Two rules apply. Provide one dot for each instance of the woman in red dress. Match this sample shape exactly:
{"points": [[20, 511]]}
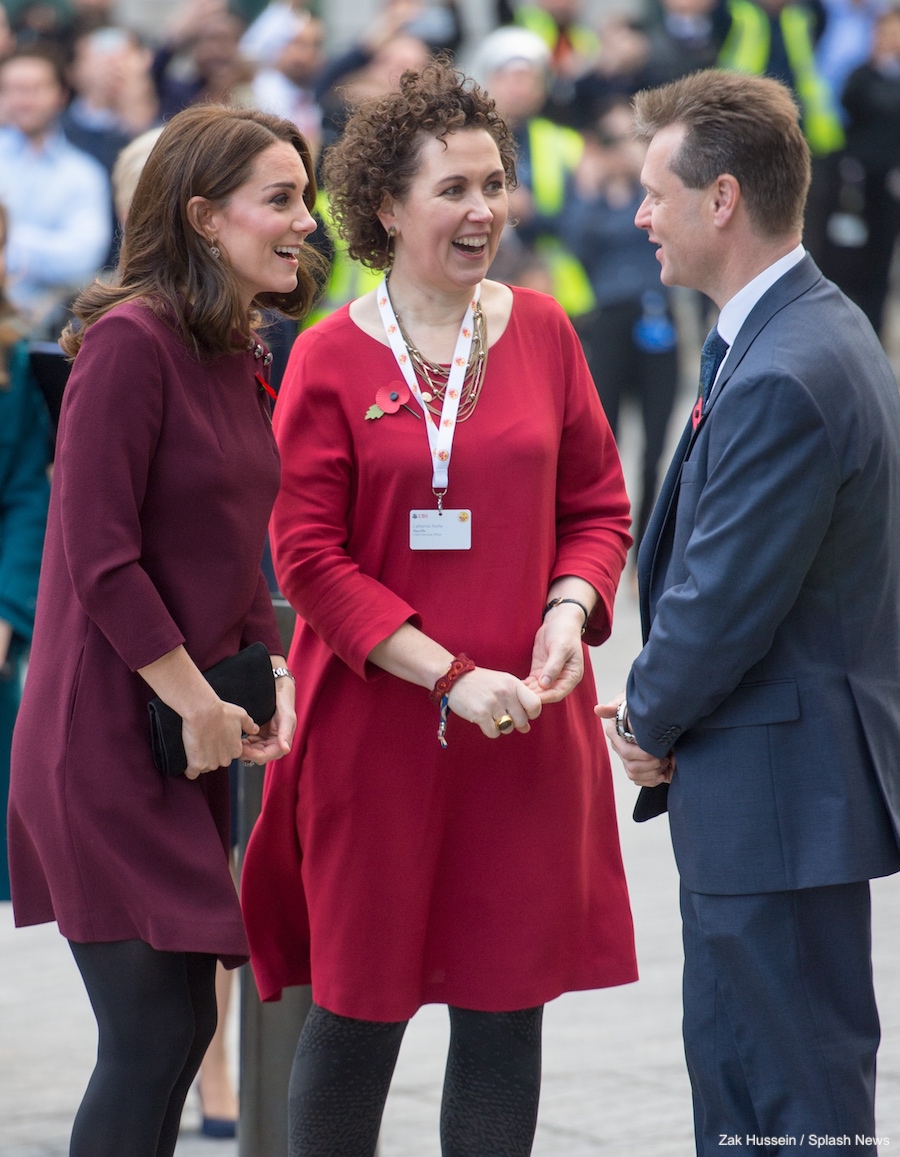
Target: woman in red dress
{"points": [[166, 470], [452, 520]]}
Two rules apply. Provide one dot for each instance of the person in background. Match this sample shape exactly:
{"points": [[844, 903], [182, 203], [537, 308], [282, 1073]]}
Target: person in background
{"points": [[24, 494], [114, 100], [58, 197], [778, 39], [459, 847], [128, 168], [629, 338], [846, 41], [864, 227], [205, 36], [513, 66], [616, 70], [571, 43], [151, 575], [285, 82], [373, 65], [683, 36], [113, 95]]}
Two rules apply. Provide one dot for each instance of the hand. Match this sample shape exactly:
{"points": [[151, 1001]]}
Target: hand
{"points": [[557, 660], [212, 737], [190, 19], [641, 767], [274, 739], [483, 695]]}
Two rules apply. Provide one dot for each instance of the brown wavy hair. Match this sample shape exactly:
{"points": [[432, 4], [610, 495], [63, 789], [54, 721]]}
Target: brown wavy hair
{"points": [[380, 150], [207, 150]]}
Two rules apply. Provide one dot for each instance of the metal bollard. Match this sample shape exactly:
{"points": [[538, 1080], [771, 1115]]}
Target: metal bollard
{"points": [[268, 1032]]}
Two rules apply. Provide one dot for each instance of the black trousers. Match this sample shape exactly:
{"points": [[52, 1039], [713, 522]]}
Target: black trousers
{"points": [[620, 368]]}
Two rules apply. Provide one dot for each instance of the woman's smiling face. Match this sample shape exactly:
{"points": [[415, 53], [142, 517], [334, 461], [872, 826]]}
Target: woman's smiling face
{"points": [[449, 223], [264, 222]]}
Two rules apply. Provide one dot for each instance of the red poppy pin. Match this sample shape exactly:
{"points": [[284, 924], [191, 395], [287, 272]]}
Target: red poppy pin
{"points": [[389, 399]]}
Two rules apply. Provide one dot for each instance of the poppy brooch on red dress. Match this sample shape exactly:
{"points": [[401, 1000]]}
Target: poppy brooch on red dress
{"points": [[389, 399]]}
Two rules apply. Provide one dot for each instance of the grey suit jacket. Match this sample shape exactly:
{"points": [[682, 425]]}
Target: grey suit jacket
{"points": [[770, 599]]}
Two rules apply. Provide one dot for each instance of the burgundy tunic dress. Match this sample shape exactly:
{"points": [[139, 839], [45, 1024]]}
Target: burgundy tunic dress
{"points": [[165, 474], [391, 872]]}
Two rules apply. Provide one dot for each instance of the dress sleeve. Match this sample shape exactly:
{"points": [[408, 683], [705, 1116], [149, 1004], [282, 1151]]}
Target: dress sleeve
{"points": [[110, 426], [592, 507], [350, 611]]}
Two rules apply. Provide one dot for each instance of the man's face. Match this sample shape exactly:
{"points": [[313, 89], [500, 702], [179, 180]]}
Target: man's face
{"points": [[301, 58], [678, 220], [31, 97]]}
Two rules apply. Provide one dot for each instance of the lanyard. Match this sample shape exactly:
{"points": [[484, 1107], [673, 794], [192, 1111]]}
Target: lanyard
{"points": [[440, 435]]}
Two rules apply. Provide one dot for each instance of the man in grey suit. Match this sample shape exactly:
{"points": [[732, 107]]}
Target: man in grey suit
{"points": [[764, 709]]}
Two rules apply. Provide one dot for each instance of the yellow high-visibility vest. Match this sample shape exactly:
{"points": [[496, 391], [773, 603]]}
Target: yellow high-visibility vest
{"points": [[555, 153], [747, 47], [541, 23]]}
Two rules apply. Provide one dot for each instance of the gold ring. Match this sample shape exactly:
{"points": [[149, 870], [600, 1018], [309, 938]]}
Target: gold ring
{"points": [[504, 723]]}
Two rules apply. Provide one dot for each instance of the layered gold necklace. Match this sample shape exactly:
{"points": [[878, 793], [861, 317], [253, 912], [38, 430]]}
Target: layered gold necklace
{"points": [[435, 376]]}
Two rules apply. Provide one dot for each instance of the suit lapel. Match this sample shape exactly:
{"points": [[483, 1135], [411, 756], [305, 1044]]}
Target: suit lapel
{"points": [[797, 281]]}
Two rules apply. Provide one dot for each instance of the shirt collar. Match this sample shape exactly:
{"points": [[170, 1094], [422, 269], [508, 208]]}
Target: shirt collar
{"points": [[50, 146], [736, 311]]}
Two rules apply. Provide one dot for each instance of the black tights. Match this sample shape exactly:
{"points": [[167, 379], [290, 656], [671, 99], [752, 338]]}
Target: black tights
{"points": [[156, 1014], [343, 1069]]}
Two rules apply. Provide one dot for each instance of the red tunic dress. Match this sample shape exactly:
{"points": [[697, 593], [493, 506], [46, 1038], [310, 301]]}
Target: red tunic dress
{"points": [[388, 871], [165, 475]]}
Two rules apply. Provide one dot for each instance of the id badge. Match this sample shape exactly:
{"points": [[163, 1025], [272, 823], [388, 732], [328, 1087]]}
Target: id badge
{"points": [[440, 529]]}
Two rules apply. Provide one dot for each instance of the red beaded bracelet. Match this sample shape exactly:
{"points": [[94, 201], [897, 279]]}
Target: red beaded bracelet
{"points": [[461, 665]]}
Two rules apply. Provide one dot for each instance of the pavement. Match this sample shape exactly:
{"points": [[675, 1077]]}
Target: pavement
{"points": [[614, 1076]]}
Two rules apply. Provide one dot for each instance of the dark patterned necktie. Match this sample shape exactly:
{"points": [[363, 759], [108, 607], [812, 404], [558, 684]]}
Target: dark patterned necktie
{"points": [[714, 350]]}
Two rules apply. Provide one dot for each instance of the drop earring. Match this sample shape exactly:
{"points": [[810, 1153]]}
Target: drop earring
{"points": [[214, 250], [388, 249]]}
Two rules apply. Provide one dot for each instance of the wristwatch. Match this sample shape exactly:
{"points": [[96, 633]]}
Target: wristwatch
{"points": [[282, 673], [622, 724]]}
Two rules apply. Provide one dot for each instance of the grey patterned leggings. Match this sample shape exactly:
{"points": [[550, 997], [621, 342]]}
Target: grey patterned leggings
{"points": [[343, 1069]]}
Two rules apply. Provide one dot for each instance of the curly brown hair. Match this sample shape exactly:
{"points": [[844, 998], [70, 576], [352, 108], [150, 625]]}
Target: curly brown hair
{"points": [[380, 150], [207, 150]]}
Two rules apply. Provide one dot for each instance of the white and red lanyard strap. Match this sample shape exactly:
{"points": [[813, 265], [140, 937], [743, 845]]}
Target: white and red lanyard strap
{"points": [[440, 435]]}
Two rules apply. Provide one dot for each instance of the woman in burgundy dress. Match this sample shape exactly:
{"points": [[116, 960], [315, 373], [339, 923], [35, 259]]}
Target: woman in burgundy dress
{"points": [[452, 520], [166, 470]]}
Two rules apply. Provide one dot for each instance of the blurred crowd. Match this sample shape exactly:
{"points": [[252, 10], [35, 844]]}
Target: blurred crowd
{"points": [[78, 84]]}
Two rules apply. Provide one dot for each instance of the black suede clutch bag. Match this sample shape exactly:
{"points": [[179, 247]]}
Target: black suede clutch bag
{"points": [[651, 802], [245, 678]]}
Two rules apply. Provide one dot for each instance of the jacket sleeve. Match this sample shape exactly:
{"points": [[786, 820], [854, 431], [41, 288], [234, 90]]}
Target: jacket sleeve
{"points": [[764, 509], [111, 421], [350, 611]]}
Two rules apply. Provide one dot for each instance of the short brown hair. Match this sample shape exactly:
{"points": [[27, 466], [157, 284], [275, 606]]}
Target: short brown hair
{"points": [[45, 54], [748, 126], [380, 150], [207, 150]]}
